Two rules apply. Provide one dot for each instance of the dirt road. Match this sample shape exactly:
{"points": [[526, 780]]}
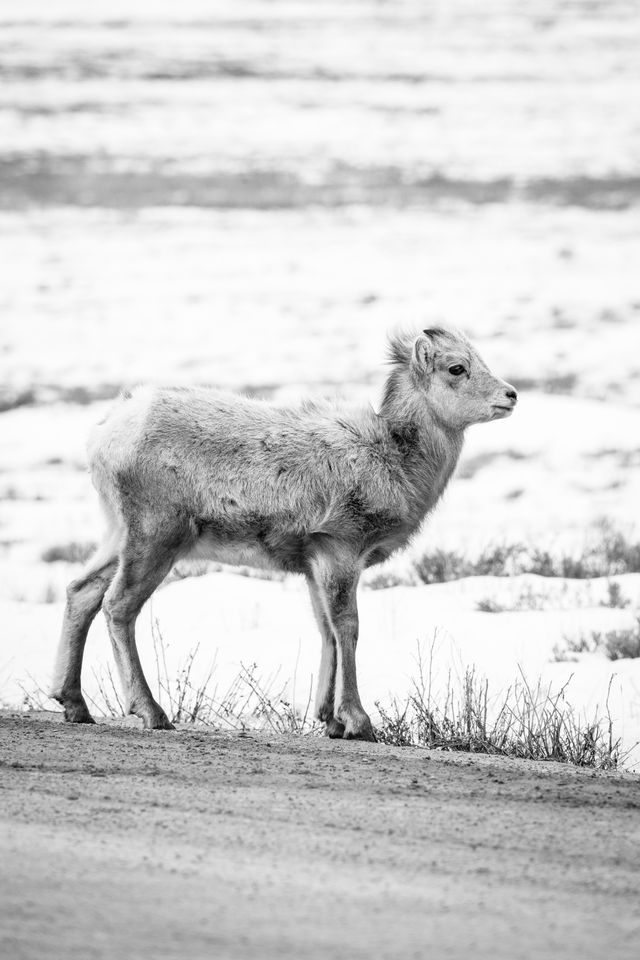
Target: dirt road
{"points": [[116, 842]]}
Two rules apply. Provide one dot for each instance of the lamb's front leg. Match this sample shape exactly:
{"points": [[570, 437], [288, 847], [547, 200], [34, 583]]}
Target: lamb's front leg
{"points": [[338, 587], [325, 692]]}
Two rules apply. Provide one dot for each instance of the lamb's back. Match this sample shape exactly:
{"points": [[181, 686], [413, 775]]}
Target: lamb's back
{"points": [[209, 451]]}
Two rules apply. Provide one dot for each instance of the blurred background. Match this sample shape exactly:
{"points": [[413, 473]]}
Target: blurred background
{"points": [[253, 193]]}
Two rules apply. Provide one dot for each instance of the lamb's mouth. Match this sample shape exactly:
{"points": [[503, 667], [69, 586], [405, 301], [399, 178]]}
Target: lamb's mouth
{"points": [[500, 411]]}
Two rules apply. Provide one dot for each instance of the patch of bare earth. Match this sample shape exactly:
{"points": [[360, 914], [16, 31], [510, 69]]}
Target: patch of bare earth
{"points": [[119, 842]]}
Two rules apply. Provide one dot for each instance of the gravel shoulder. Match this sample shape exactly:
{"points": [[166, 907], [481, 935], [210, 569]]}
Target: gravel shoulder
{"points": [[119, 842]]}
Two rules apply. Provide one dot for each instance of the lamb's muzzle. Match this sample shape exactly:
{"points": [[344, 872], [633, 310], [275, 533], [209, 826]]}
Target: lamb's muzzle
{"points": [[507, 403]]}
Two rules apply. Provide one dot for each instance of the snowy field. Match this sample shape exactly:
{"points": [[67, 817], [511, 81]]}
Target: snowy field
{"points": [[253, 194]]}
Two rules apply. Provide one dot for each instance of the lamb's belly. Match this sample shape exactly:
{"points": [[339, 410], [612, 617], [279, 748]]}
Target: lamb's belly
{"points": [[235, 553]]}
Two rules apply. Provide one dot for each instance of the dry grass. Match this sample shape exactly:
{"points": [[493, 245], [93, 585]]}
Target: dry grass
{"points": [[620, 644], [529, 598], [623, 644], [607, 552], [251, 701], [615, 598], [72, 552], [526, 722]]}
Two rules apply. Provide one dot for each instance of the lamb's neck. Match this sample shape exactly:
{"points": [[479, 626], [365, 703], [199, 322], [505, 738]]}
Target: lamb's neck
{"points": [[430, 453]]}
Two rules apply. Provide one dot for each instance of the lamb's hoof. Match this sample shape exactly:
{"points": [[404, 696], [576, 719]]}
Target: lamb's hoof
{"points": [[157, 721], [360, 730], [334, 729], [77, 713]]}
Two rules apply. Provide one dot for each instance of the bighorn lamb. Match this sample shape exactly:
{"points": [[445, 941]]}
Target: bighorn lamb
{"points": [[318, 489]]}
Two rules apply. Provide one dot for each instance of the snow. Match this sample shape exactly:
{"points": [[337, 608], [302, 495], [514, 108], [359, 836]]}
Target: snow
{"points": [[238, 621], [253, 195]]}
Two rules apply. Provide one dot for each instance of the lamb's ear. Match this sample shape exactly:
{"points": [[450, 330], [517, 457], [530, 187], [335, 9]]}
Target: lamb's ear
{"points": [[422, 356]]}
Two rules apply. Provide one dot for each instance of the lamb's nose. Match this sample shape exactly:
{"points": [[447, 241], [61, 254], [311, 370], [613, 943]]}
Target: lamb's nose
{"points": [[512, 395]]}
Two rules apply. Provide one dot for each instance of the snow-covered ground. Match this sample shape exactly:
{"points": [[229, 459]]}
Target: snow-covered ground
{"points": [[236, 622], [253, 194]]}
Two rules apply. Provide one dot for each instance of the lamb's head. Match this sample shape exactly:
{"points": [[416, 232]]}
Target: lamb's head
{"points": [[453, 381]]}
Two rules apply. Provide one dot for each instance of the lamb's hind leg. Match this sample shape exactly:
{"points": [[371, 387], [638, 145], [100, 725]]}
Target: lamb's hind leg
{"points": [[144, 563], [326, 688], [84, 599]]}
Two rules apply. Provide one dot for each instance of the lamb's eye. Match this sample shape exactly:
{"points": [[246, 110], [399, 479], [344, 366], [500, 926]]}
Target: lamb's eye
{"points": [[457, 369]]}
